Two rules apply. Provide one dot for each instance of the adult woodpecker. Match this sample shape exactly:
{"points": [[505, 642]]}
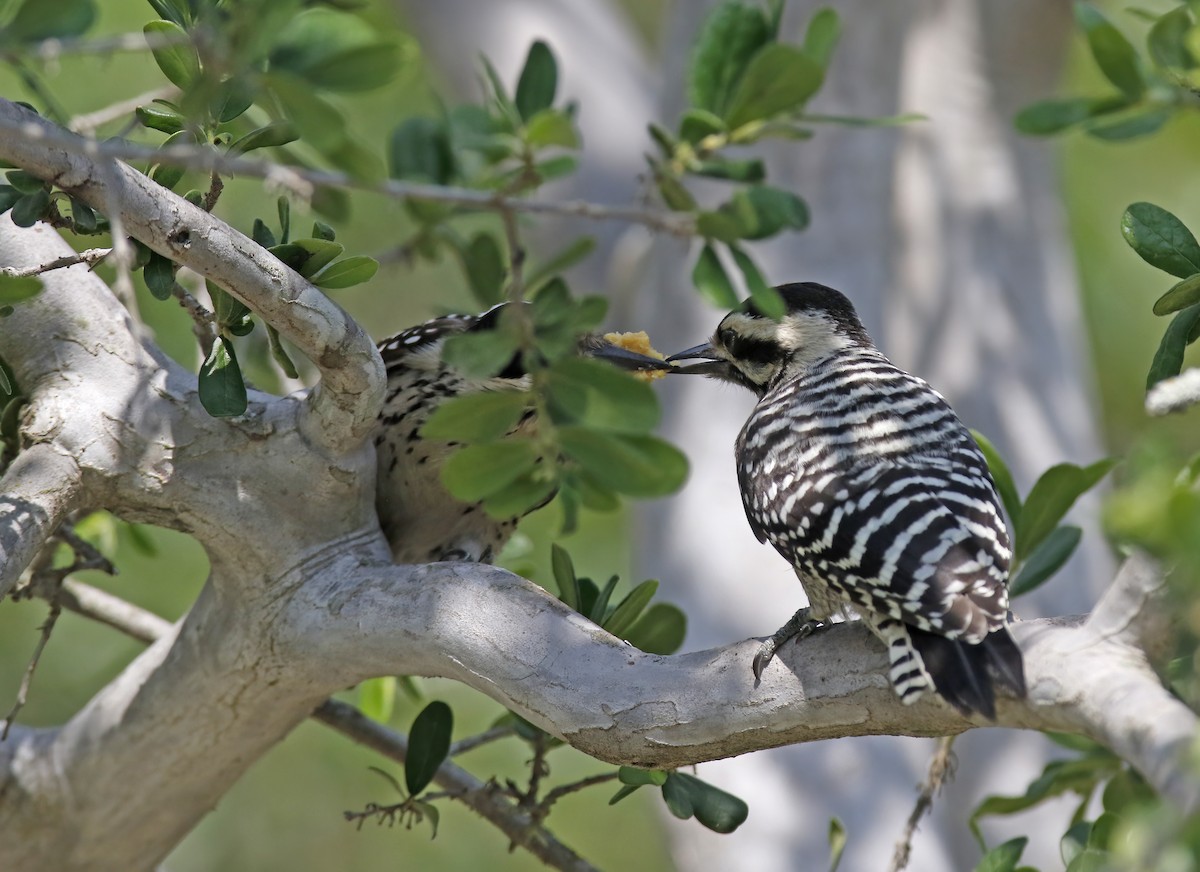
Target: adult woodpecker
{"points": [[862, 476]]}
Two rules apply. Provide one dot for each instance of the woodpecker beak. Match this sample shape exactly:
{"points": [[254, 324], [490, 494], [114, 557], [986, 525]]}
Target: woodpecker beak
{"points": [[623, 358], [713, 364]]}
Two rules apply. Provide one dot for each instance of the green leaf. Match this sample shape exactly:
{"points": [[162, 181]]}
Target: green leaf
{"points": [[564, 576], [478, 471], [1001, 476], [696, 124], [499, 95], [428, 745], [321, 230], [600, 396], [765, 298], [1124, 790], [1114, 54], [821, 38], [622, 793], [334, 51], [485, 268], [430, 812], [347, 272], [712, 281], [222, 390], [675, 195], [17, 290], [538, 81], [420, 150], [262, 234], [480, 354], [1166, 40], [319, 122], [159, 275], [1054, 116], [279, 353], [1003, 858], [1046, 559], [732, 34], [84, 217], [36, 20], [28, 210], [780, 78], [555, 167], [1051, 497], [529, 491], [641, 466], [318, 253], [1161, 239], [173, 10], [661, 630], [635, 776], [377, 698], [1185, 293], [763, 211], [283, 208], [600, 605], [155, 118], [233, 97], [478, 417], [630, 608], [687, 795], [1168, 359], [270, 136], [1139, 121], [551, 127], [837, 843], [25, 183], [177, 57], [718, 167], [8, 198]]}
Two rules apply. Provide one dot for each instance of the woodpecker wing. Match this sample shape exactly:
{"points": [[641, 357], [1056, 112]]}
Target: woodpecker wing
{"points": [[936, 557]]}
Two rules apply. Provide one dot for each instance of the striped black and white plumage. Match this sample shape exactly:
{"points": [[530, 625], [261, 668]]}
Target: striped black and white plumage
{"points": [[863, 477], [421, 521]]}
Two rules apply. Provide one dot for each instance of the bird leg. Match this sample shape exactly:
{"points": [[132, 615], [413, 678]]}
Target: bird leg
{"points": [[799, 626]]}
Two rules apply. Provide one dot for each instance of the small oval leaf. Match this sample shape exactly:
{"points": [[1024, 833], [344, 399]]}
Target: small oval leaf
{"points": [[222, 390], [428, 745]]}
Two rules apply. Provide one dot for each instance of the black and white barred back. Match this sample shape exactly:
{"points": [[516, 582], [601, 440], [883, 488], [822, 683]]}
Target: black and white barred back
{"points": [[421, 521], [863, 477]]}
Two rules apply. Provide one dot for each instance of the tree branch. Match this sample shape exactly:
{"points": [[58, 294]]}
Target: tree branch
{"points": [[301, 181], [345, 404], [40, 487]]}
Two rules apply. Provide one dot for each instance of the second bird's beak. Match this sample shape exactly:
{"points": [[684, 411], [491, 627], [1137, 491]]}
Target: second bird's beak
{"points": [[623, 358], [713, 363]]}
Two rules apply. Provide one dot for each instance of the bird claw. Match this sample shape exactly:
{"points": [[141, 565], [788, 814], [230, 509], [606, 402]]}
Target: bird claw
{"points": [[800, 626]]}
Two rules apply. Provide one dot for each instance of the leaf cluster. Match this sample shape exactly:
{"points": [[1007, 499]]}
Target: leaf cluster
{"points": [[1150, 86]]}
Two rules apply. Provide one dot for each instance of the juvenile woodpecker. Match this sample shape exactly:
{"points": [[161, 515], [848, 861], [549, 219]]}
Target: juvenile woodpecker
{"points": [[863, 477], [421, 521]]}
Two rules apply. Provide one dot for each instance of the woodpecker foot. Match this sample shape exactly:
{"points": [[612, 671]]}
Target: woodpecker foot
{"points": [[799, 626]]}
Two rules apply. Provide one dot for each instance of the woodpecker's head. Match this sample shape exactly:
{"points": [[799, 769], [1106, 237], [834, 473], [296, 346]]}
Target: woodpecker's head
{"points": [[754, 350], [420, 348]]}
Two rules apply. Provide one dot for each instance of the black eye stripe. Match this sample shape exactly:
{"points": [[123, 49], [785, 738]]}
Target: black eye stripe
{"points": [[752, 350]]}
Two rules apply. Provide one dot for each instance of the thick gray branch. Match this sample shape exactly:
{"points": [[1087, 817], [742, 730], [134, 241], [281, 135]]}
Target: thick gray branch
{"points": [[157, 747], [346, 402]]}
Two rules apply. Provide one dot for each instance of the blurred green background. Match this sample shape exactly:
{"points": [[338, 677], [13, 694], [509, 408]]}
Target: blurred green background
{"points": [[286, 813]]}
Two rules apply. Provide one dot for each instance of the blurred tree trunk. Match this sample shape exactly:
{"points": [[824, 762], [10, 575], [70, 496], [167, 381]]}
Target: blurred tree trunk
{"points": [[948, 234]]}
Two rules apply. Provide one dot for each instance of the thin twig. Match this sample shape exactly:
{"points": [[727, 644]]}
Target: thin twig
{"points": [[91, 257], [202, 319], [516, 255], [215, 187], [941, 768], [27, 679], [301, 180], [93, 120], [101, 606], [470, 743], [553, 796]]}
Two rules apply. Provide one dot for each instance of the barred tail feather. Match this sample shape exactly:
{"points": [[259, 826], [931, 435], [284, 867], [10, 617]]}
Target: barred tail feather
{"points": [[906, 670], [962, 673]]}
